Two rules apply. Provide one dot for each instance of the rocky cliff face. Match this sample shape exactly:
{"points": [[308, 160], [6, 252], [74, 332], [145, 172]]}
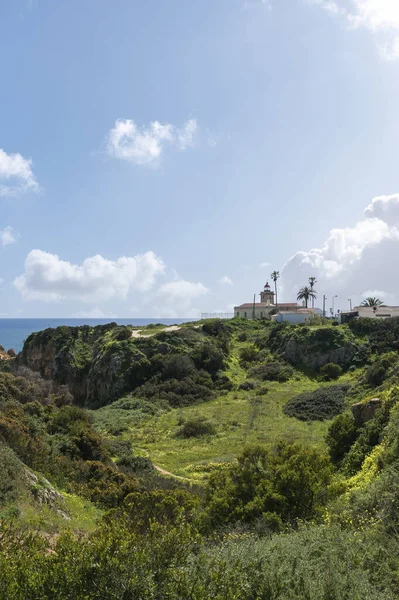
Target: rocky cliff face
{"points": [[314, 348], [98, 364]]}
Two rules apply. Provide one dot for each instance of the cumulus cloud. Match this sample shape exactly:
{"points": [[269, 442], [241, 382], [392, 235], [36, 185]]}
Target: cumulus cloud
{"points": [[47, 277], [353, 260], [380, 17], [7, 236], [225, 280], [16, 175], [145, 145], [177, 297]]}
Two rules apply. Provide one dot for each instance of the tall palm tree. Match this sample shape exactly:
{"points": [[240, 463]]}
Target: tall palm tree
{"points": [[312, 281], [275, 275], [305, 293], [372, 302]]}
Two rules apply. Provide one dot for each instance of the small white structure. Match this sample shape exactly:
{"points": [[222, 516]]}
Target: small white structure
{"points": [[265, 308]]}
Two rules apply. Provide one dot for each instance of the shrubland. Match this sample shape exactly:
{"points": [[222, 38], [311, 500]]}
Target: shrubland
{"points": [[276, 489]]}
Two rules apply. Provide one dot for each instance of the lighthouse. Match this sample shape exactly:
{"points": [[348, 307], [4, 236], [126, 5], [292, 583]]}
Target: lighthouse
{"points": [[267, 295]]}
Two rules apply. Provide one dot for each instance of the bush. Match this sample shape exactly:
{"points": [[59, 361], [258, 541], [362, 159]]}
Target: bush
{"points": [[209, 358], [330, 371], [135, 464], [10, 475], [246, 386], [290, 481], [379, 371], [323, 403], [196, 428], [177, 366], [272, 371], [248, 354], [175, 392], [341, 434]]}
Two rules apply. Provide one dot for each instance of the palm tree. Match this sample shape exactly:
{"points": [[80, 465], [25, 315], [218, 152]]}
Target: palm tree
{"points": [[275, 275], [312, 281], [372, 302], [305, 293]]}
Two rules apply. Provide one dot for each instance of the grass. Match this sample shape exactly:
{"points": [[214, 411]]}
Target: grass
{"points": [[241, 418], [83, 515]]}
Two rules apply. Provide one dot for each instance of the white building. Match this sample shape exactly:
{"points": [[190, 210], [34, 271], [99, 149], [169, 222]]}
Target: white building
{"points": [[377, 312], [265, 308], [301, 315]]}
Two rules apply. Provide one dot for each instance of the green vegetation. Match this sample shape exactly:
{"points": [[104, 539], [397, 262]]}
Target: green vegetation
{"points": [[323, 403], [216, 464]]}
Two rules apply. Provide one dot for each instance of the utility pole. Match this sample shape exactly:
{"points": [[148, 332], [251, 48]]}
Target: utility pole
{"points": [[324, 305], [253, 310], [350, 304], [333, 313]]}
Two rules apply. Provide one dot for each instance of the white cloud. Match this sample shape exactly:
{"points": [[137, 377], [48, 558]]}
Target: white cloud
{"points": [[185, 136], [145, 145], [387, 298], [225, 280], [354, 260], [264, 265], [7, 236], [177, 297], [16, 175], [380, 17], [47, 277]]}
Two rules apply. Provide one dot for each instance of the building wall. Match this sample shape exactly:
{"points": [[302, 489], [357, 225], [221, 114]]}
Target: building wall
{"points": [[261, 312], [382, 312], [292, 317]]}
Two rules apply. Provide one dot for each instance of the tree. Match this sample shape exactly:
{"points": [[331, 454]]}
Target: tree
{"points": [[275, 275], [305, 293], [312, 281], [372, 302]]}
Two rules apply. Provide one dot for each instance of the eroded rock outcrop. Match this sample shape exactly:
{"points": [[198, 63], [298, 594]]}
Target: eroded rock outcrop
{"points": [[314, 348], [365, 411]]}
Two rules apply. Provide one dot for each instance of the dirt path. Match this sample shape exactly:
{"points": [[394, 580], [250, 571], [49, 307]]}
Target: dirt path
{"points": [[137, 333], [164, 472]]}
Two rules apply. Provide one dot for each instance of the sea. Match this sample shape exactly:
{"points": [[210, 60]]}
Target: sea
{"points": [[13, 332]]}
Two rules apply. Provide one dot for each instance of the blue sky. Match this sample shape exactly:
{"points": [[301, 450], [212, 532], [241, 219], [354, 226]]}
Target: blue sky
{"points": [[159, 159]]}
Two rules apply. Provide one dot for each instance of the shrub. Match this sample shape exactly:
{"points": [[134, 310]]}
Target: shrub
{"points": [[246, 386], [341, 434], [175, 392], [209, 358], [330, 371], [323, 403], [196, 428], [177, 366], [135, 464], [10, 475], [248, 354], [290, 481], [379, 371], [272, 371]]}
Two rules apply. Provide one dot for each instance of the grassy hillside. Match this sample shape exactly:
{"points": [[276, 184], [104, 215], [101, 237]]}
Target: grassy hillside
{"points": [[216, 460]]}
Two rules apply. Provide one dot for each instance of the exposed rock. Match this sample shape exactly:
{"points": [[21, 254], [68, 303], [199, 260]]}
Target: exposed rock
{"points": [[314, 348], [45, 493], [365, 411], [99, 364]]}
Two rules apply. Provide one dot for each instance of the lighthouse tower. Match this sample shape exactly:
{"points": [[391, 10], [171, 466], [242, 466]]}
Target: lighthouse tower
{"points": [[267, 295]]}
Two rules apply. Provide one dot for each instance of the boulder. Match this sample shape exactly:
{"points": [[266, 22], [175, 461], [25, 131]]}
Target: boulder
{"points": [[365, 411]]}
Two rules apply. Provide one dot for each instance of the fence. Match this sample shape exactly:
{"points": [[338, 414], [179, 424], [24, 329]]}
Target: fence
{"points": [[217, 315]]}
